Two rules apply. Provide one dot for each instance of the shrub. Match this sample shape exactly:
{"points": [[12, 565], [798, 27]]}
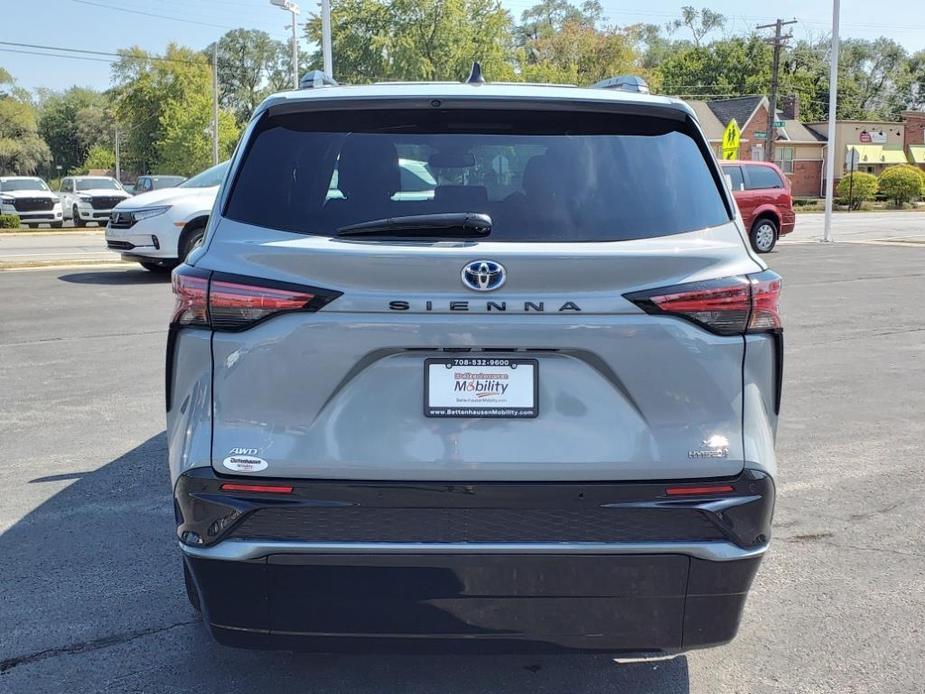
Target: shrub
{"points": [[9, 221], [902, 183], [862, 186]]}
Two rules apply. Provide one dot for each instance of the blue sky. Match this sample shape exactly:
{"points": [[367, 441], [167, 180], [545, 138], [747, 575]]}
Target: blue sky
{"points": [[103, 25]]}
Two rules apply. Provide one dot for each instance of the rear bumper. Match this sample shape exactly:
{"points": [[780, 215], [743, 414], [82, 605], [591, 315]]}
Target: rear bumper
{"points": [[788, 221], [619, 595]]}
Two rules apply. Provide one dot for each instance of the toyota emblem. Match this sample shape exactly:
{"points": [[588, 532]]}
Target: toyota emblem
{"points": [[483, 275]]}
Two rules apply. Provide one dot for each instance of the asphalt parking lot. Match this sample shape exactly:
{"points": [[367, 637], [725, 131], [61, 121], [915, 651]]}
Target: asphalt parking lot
{"points": [[91, 595]]}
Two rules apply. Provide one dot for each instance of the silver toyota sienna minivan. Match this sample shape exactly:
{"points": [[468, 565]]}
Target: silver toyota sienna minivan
{"points": [[473, 366]]}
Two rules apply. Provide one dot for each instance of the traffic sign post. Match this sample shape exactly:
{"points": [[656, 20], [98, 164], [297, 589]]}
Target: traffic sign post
{"points": [[731, 139]]}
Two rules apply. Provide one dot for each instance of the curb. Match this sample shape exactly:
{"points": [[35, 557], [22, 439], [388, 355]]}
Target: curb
{"points": [[48, 264]]}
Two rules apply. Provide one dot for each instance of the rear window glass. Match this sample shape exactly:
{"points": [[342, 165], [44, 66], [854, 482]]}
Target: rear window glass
{"points": [[540, 176], [736, 182], [763, 177]]}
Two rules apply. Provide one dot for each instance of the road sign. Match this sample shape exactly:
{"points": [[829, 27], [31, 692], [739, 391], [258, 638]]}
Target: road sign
{"points": [[761, 135], [852, 158], [778, 124], [731, 137]]}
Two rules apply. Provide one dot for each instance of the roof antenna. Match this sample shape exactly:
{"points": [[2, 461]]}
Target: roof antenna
{"points": [[475, 75]]}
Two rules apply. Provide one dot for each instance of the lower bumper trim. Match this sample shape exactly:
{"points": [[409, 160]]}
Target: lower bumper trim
{"points": [[247, 550]]}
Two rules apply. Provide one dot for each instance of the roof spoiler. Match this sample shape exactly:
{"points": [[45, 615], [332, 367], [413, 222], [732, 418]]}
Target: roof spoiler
{"points": [[625, 83], [315, 79]]}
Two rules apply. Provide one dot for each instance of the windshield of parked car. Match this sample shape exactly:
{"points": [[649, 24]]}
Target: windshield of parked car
{"points": [[210, 177], [23, 184], [539, 176], [97, 184]]}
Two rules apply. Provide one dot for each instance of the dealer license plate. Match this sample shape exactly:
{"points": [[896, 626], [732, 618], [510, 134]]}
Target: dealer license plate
{"points": [[481, 387]]}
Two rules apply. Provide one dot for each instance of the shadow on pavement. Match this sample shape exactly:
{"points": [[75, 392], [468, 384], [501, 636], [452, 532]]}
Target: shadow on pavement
{"points": [[117, 276], [91, 599]]}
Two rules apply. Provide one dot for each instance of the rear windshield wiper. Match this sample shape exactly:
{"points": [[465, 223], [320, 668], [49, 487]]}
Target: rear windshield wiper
{"points": [[449, 225]]}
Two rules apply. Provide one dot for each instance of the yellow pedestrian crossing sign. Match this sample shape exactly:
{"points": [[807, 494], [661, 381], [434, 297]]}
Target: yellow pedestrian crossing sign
{"points": [[731, 137]]}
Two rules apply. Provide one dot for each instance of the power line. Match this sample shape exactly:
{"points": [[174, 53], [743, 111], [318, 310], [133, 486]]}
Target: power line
{"points": [[52, 55], [151, 14], [91, 52]]}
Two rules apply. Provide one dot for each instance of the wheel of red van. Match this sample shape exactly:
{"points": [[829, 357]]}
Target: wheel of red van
{"points": [[763, 234]]}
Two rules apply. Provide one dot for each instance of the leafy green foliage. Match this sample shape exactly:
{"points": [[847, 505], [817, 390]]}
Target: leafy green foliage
{"points": [[416, 39], [902, 183], [698, 22], [859, 186], [251, 65], [165, 108], [99, 157], [22, 150], [72, 122], [9, 221]]}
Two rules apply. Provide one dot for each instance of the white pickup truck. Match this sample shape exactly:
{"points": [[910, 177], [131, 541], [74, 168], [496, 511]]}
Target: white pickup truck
{"points": [[30, 199], [90, 198]]}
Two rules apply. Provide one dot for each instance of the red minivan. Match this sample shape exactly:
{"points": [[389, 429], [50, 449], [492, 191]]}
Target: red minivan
{"points": [[762, 192]]}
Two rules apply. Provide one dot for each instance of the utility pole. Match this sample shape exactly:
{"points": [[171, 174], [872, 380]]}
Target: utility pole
{"points": [[294, 9], [326, 38], [777, 43], [215, 103], [830, 139], [118, 155], [295, 54]]}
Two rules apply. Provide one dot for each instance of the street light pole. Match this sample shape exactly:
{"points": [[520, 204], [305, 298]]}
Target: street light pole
{"points": [[294, 9], [326, 38], [830, 144]]}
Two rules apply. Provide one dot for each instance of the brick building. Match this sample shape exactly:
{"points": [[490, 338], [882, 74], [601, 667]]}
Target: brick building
{"points": [[798, 151]]}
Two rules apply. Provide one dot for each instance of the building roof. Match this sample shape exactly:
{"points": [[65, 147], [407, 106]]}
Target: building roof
{"points": [[917, 152], [740, 108], [711, 125], [796, 131]]}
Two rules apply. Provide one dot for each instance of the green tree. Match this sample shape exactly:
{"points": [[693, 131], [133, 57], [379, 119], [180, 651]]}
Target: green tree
{"points": [[730, 67], [902, 183], [579, 53], [856, 187], [698, 22], [416, 39], [98, 157], [550, 16], [22, 149], [164, 109], [72, 122], [247, 61]]}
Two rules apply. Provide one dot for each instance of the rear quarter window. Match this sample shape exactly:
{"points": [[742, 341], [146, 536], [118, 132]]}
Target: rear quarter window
{"points": [[762, 177], [540, 176]]}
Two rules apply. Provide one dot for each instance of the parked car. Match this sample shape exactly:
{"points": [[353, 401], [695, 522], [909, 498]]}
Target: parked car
{"points": [[30, 199], [145, 184], [159, 229], [762, 193], [532, 408], [90, 198]]}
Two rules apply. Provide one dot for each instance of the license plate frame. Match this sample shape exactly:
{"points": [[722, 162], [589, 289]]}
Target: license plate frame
{"points": [[500, 408]]}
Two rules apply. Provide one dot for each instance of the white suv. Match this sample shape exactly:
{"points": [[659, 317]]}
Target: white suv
{"points": [[160, 228], [90, 198], [31, 200]]}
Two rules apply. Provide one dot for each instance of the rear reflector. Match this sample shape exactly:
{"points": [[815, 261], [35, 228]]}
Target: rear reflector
{"points": [[700, 491], [230, 302], [262, 488], [727, 306]]}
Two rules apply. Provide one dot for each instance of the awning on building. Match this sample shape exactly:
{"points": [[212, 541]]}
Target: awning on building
{"points": [[879, 154], [917, 152]]}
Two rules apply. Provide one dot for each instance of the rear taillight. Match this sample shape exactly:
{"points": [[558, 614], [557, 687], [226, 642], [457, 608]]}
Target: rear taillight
{"points": [[727, 306], [231, 302]]}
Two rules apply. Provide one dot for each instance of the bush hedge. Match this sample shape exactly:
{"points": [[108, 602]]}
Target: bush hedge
{"points": [[862, 186], [902, 183], [9, 221]]}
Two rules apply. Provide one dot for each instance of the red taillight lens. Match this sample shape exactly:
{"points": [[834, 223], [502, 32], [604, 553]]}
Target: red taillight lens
{"points": [[229, 302], [728, 306], [261, 488], [192, 294], [765, 296], [233, 306], [704, 490]]}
